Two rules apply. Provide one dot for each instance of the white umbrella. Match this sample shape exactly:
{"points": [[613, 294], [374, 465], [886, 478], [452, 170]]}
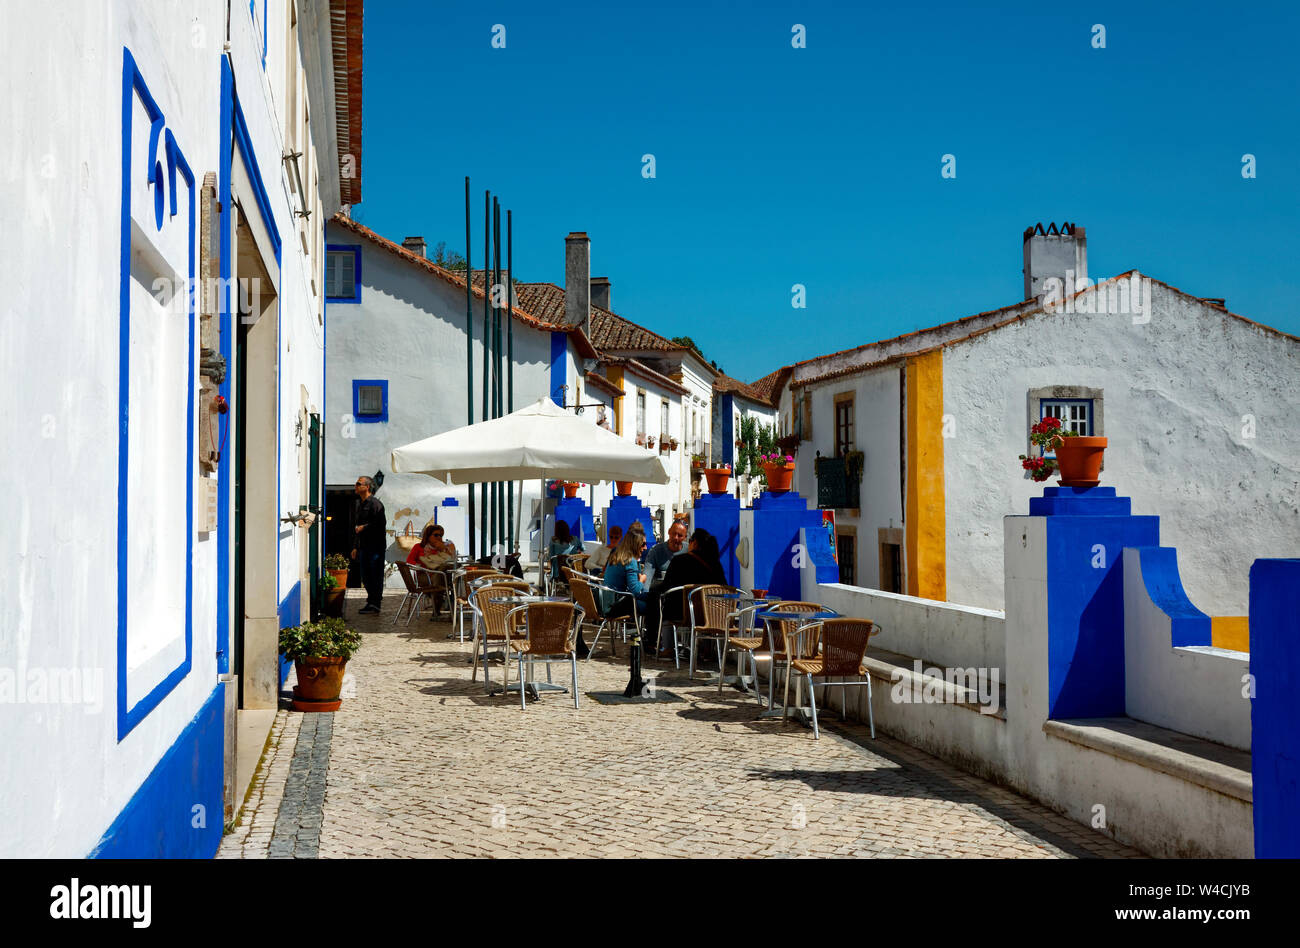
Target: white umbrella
{"points": [[542, 440]]}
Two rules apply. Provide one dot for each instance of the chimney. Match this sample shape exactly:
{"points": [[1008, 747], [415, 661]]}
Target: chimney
{"points": [[600, 292], [1050, 253], [577, 280], [415, 244]]}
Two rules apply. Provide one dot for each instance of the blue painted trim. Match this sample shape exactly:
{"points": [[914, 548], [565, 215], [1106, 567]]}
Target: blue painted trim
{"points": [[234, 134], [355, 250], [1164, 586], [559, 366], [1274, 711], [132, 84], [290, 613], [158, 821], [356, 400], [450, 502]]}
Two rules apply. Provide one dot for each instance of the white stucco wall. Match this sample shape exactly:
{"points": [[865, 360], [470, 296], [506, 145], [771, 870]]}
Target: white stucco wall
{"points": [[1175, 390], [876, 401], [1195, 690], [66, 775], [409, 329]]}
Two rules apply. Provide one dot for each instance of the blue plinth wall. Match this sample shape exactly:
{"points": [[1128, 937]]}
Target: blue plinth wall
{"points": [[1087, 530], [1274, 709], [623, 511], [575, 512], [778, 519], [719, 514]]}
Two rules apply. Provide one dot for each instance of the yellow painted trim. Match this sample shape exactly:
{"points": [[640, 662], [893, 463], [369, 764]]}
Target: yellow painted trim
{"points": [[1231, 632], [615, 375], [924, 517]]}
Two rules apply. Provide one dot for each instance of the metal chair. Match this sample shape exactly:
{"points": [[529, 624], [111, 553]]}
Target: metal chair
{"points": [[777, 641], [550, 636], [747, 644], [709, 620], [584, 598], [419, 584], [843, 649], [684, 592], [460, 606], [491, 625]]}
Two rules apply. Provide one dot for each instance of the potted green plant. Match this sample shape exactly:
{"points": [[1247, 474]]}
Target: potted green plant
{"points": [[320, 651], [331, 595], [336, 564], [1078, 457]]}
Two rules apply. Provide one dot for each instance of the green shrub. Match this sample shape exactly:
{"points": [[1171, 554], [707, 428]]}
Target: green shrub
{"points": [[336, 561], [325, 638]]}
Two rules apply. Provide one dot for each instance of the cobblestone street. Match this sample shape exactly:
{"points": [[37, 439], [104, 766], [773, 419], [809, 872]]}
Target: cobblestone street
{"points": [[421, 762]]}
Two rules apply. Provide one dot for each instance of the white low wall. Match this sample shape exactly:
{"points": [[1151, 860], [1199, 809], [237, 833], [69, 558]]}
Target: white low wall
{"points": [[1195, 690], [938, 633]]}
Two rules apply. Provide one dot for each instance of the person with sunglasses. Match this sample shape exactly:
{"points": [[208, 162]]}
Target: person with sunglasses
{"points": [[370, 523]]}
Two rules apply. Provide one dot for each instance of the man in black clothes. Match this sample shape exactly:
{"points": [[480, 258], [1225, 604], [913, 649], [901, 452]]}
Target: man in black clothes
{"points": [[701, 564], [371, 525]]}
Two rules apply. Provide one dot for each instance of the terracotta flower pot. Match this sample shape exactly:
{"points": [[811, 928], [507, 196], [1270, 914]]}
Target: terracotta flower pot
{"points": [[779, 477], [717, 478], [331, 603], [624, 488], [340, 577], [1078, 461], [320, 680], [570, 490]]}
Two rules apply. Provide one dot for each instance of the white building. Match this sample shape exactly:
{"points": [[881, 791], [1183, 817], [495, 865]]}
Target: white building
{"points": [[735, 401], [397, 372], [165, 251], [1198, 405]]}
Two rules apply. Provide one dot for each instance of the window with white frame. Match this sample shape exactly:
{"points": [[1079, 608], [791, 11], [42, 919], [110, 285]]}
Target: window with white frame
{"points": [[640, 414], [663, 420], [1075, 414]]}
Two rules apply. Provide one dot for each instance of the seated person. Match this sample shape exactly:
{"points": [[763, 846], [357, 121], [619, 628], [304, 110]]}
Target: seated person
{"points": [[431, 545], [600, 559], [561, 546], [623, 573], [701, 564], [661, 554]]}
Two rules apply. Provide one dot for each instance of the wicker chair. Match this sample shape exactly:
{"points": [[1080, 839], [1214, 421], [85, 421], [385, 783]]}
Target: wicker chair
{"points": [[585, 599], [550, 634], [491, 621], [778, 637], [419, 584], [460, 605], [750, 642], [684, 597], [843, 648], [710, 620]]}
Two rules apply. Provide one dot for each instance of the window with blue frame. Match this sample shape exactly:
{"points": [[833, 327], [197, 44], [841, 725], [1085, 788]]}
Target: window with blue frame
{"points": [[342, 274], [370, 400], [1079, 408]]}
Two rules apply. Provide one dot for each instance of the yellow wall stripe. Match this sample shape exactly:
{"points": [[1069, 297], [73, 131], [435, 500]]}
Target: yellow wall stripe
{"points": [[924, 518], [615, 374], [1230, 632]]}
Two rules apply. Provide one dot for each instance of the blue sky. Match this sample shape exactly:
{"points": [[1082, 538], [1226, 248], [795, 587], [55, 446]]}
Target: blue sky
{"points": [[821, 166]]}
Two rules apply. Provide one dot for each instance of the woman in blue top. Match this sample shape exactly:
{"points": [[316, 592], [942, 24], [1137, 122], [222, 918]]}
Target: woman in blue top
{"points": [[623, 572], [563, 544]]}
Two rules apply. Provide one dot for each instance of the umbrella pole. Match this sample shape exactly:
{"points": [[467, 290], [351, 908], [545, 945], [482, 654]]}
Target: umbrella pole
{"points": [[487, 349], [469, 356], [519, 518]]}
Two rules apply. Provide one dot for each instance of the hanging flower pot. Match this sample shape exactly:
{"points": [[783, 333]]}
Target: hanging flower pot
{"points": [[717, 478], [779, 472], [624, 488], [1078, 459], [570, 489]]}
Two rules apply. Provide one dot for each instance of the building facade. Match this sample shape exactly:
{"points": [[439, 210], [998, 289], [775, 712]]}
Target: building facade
{"points": [[918, 436], [167, 229]]}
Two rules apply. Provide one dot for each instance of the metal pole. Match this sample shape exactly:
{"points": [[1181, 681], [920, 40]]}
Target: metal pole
{"points": [[469, 354], [510, 368], [487, 257]]}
